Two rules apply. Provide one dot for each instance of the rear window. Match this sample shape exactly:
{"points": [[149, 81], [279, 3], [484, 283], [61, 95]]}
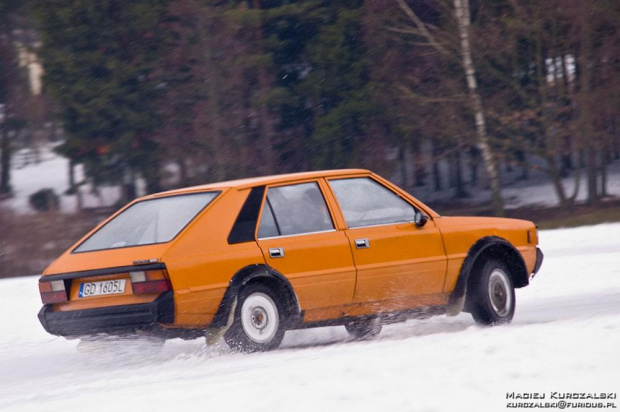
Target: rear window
{"points": [[148, 222]]}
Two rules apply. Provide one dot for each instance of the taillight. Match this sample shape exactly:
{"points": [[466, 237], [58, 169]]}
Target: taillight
{"points": [[149, 281], [53, 292]]}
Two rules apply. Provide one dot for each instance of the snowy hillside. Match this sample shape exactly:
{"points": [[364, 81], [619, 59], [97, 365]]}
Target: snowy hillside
{"points": [[564, 338]]}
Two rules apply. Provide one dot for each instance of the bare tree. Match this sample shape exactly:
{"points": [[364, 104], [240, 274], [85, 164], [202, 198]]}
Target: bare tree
{"points": [[463, 51], [461, 8]]}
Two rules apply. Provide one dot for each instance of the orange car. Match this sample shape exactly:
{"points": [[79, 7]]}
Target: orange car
{"points": [[249, 259]]}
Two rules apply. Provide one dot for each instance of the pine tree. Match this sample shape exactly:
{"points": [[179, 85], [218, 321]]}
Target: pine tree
{"points": [[100, 62]]}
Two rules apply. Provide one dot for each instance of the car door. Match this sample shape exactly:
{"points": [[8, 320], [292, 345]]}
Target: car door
{"points": [[396, 261], [297, 236]]}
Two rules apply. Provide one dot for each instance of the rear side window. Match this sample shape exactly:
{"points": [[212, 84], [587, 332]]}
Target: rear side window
{"points": [[148, 222], [293, 210], [268, 226], [365, 202]]}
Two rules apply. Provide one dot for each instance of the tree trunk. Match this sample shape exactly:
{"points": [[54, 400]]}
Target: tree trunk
{"points": [[420, 171], [210, 80], [551, 150], [556, 180], [451, 171], [80, 199], [463, 19], [152, 175], [585, 119], [5, 162], [522, 160], [265, 121], [183, 177], [616, 138], [566, 164], [436, 171], [460, 192], [71, 172], [474, 155], [591, 173], [605, 160], [9, 79], [129, 185], [406, 167]]}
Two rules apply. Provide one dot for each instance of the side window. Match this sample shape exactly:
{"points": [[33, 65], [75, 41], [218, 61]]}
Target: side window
{"points": [[268, 226], [365, 202], [293, 210]]}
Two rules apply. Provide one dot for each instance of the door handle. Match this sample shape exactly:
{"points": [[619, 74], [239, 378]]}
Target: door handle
{"points": [[362, 243], [276, 252]]}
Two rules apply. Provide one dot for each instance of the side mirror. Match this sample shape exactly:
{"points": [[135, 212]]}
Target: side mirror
{"points": [[420, 219]]}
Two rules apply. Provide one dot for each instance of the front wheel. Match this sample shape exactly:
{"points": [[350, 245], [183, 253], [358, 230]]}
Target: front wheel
{"points": [[257, 325], [493, 295]]}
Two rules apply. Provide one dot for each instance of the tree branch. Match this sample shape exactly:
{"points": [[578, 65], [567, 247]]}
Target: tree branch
{"points": [[421, 27]]}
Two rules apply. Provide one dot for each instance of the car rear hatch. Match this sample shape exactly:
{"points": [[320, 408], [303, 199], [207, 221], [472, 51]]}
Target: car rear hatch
{"points": [[119, 262], [118, 265]]}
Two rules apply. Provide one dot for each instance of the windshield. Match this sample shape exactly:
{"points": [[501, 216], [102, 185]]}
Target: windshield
{"points": [[148, 222]]}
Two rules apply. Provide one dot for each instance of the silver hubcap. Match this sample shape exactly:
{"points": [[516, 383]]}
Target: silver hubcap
{"points": [[259, 317], [499, 292]]}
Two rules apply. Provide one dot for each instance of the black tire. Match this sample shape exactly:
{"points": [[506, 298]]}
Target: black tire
{"points": [[258, 324], [364, 329], [492, 294]]}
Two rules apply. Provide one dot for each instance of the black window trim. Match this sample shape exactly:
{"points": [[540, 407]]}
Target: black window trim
{"points": [[244, 231]]}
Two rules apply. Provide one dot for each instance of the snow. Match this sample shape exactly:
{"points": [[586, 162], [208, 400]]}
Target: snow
{"points": [[541, 192], [33, 170], [564, 338]]}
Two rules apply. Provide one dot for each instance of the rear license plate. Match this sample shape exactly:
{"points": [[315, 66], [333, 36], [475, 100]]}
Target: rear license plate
{"points": [[107, 287]]}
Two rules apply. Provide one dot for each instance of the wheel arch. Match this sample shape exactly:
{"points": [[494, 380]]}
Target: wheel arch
{"points": [[258, 274], [490, 247]]}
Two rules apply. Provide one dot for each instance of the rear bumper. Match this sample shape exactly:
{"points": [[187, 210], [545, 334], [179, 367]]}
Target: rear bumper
{"points": [[539, 260], [114, 320]]}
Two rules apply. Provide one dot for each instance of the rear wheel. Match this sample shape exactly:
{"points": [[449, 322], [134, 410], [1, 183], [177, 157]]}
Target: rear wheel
{"points": [[364, 329], [258, 323], [493, 295]]}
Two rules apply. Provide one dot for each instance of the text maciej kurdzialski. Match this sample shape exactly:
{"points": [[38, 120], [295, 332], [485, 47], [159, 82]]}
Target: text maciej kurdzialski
{"points": [[560, 395]]}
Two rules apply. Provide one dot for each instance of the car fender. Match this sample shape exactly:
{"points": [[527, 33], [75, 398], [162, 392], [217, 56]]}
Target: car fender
{"points": [[253, 273], [490, 246]]}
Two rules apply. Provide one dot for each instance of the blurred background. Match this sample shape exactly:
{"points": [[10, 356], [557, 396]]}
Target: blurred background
{"points": [[488, 107]]}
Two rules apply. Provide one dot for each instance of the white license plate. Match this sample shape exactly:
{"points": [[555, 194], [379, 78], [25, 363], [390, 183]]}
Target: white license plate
{"points": [[107, 287]]}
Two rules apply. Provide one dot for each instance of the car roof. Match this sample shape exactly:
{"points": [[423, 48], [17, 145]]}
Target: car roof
{"points": [[263, 180]]}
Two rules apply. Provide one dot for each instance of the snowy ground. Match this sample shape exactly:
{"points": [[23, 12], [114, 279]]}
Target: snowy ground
{"points": [[565, 337], [539, 191], [48, 170]]}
